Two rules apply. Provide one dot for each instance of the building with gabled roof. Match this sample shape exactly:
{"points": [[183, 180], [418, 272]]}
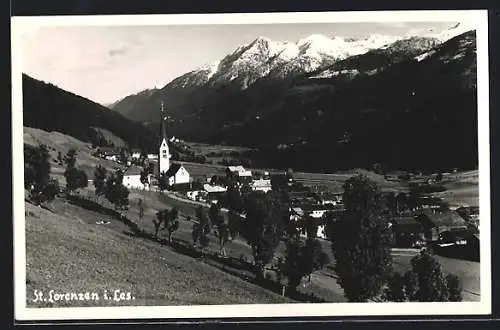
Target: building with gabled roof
{"points": [[132, 178], [436, 223]]}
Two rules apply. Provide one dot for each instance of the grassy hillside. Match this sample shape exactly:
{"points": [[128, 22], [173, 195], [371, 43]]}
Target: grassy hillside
{"points": [[50, 108], [68, 251], [59, 142]]}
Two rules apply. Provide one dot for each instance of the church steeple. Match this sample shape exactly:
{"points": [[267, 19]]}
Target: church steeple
{"points": [[163, 118], [164, 153]]}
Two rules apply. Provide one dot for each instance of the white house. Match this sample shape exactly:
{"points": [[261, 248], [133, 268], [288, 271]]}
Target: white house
{"points": [[262, 185], [136, 155], [111, 157], [132, 178], [239, 171], [213, 189], [152, 156], [177, 174]]}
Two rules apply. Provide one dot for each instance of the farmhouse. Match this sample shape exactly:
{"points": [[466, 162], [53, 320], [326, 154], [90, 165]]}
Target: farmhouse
{"points": [[132, 178], [437, 223]]}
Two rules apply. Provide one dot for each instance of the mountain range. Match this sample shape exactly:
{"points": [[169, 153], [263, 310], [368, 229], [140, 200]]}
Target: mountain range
{"points": [[404, 102]]}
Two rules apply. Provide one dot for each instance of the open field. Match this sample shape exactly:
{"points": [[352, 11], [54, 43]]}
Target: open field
{"points": [[58, 142], [203, 148]]}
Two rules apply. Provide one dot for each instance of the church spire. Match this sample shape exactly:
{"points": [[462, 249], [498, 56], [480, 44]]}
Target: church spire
{"points": [[163, 134]]}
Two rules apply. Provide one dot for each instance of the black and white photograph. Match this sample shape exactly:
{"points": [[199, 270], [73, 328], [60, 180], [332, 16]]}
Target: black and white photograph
{"points": [[251, 165]]}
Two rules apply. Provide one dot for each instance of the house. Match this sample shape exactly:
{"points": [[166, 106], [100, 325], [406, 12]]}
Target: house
{"points": [[328, 198], [106, 151], [136, 154], [214, 193], [261, 185], [152, 156], [436, 223], [407, 231], [111, 157], [433, 203], [132, 178], [177, 174], [238, 172]]}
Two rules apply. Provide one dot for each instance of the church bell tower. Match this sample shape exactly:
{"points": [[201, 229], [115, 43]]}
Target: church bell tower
{"points": [[164, 154]]}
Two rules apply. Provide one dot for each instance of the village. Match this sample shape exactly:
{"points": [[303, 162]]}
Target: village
{"points": [[417, 218]]}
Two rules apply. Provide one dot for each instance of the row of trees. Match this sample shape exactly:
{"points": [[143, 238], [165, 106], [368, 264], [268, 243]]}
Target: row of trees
{"points": [[42, 188]]}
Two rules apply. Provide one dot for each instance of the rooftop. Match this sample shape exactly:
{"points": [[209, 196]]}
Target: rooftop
{"points": [[133, 170], [449, 218]]}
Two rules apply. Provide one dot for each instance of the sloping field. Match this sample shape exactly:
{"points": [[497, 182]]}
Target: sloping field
{"points": [[462, 189], [57, 141], [68, 252]]}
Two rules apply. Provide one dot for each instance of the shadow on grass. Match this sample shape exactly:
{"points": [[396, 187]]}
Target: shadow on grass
{"points": [[233, 266], [458, 252]]}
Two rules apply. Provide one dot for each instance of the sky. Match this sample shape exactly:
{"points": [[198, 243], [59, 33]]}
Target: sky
{"points": [[107, 63]]}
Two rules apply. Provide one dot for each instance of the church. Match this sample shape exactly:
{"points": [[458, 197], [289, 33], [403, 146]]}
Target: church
{"points": [[176, 173]]}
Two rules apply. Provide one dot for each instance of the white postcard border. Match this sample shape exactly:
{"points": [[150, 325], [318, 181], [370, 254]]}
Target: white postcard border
{"points": [[22, 313]]}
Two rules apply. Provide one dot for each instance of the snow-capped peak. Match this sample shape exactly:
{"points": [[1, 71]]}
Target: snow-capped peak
{"points": [[210, 68], [451, 32]]}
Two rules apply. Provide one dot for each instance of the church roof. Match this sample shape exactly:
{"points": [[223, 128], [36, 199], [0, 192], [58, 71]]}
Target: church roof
{"points": [[133, 170], [174, 168]]}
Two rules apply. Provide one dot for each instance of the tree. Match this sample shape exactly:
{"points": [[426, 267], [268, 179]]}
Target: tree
{"points": [[171, 222], [234, 200], [362, 250], [431, 281], [60, 158], [202, 229], [454, 288], [425, 282], [141, 208], [266, 220], [75, 179], [144, 177], [439, 177], [37, 179], [163, 181], [70, 158], [115, 192], [99, 180], [396, 288], [222, 226], [123, 156], [234, 223], [302, 259]]}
